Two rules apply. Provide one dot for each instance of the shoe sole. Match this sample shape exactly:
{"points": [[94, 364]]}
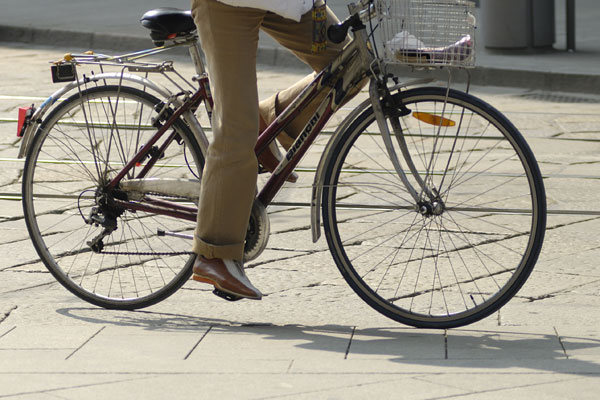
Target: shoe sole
{"points": [[200, 278]]}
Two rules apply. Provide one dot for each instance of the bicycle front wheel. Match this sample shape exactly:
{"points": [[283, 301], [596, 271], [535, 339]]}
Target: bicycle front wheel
{"points": [[105, 254], [468, 243]]}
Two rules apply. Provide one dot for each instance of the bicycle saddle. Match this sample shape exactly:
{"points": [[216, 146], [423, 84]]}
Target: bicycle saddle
{"points": [[168, 23]]}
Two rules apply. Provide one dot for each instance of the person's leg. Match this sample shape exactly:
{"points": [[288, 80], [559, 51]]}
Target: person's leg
{"points": [[297, 38], [270, 158], [229, 38]]}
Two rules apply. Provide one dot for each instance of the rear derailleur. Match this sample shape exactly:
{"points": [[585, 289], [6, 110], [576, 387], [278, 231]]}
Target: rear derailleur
{"points": [[104, 215]]}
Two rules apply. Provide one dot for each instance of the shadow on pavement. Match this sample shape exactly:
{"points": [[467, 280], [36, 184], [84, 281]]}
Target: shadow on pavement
{"points": [[487, 349]]}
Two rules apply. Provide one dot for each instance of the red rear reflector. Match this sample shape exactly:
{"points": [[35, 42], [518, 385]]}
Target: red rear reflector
{"points": [[172, 36], [24, 112]]}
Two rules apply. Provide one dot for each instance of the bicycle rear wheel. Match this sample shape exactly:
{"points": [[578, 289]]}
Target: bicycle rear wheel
{"points": [[471, 240], [81, 145]]}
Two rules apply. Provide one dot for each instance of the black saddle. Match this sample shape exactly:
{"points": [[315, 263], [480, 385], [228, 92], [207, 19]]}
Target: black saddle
{"points": [[168, 23]]}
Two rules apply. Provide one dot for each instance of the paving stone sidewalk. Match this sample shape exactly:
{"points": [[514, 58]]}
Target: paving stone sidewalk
{"points": [[311, 337]]}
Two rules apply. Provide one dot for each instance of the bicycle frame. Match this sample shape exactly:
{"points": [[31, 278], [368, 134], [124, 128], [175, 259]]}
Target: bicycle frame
{"points": [[339, 79]]}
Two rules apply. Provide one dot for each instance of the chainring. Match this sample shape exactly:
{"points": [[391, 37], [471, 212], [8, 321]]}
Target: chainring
{"points": [[258, 232]]}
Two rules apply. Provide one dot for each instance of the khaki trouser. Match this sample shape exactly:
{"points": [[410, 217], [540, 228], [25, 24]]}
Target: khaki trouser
{"points": [[229, 39]]}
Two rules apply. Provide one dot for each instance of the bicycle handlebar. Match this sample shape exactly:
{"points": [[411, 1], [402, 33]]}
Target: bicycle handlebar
{"points": [[361, 14], [337, 33]]}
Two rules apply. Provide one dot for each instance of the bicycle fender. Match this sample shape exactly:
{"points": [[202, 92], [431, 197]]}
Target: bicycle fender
{"points": [[317, 188], [38, 116]]}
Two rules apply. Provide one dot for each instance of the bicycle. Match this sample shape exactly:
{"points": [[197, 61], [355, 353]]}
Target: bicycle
{"points": [[433, 204]]}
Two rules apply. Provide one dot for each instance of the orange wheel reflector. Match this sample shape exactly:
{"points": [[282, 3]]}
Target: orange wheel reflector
{"points": [[433, 119]]}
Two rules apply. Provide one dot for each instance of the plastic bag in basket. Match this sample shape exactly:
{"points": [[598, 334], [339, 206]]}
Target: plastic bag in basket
{"points": [[409, 49]]}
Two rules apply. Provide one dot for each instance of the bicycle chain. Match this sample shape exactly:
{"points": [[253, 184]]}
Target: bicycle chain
{"points": [[146, 253]]}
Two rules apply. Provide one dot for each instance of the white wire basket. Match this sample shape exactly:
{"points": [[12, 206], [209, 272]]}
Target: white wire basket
{"points": [[428, 32]]}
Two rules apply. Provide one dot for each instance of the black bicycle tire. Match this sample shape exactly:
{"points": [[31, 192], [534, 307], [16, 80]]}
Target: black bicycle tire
{"points": [[340, 150], [29, 213]]}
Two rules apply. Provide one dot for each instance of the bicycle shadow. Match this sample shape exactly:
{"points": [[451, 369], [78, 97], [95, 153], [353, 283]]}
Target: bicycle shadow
{"points": [[471, 348]]}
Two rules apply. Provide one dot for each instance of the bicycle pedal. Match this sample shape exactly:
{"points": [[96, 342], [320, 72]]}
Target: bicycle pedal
{"points": [[226, 296]]}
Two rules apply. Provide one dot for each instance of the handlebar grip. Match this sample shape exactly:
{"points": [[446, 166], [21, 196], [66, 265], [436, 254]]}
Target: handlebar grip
{"points": [[337, 33]]}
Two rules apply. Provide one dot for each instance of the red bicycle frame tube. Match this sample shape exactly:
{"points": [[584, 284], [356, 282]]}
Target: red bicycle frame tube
{"points": [[204, 95], [291, 112], [141, 154], [307, 136], [299, 148], [160, 207], [155, 206]]}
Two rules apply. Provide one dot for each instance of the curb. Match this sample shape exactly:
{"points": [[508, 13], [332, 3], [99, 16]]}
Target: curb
{"points": [[118, 42], [274, 56], [525, 79], [87, 40]]}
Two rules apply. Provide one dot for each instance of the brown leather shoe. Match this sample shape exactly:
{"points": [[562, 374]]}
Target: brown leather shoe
{"points": [[226, 275]]}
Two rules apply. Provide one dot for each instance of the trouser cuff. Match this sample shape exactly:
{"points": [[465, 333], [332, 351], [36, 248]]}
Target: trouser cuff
{"points": [[226, 252]]}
